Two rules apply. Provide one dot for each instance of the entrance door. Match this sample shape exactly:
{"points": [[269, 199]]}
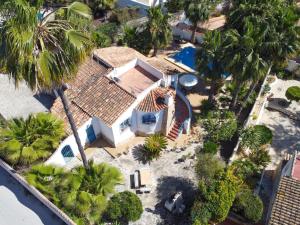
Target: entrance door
{"points": [[91, 134]]}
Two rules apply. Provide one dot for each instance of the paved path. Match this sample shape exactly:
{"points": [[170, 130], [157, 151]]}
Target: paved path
{"points": [[20, 102], [20, 208]]}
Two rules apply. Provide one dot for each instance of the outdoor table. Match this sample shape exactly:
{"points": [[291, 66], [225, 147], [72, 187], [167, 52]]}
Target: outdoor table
{"points": [[188, 81]]}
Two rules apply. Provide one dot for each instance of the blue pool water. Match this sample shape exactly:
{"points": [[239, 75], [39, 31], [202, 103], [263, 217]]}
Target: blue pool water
{"points": [[187, 57]]}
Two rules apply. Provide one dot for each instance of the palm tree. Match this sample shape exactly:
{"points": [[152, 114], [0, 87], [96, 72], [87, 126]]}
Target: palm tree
{"points": [[26, 141], [197, 11], [209, 61], [83, 193], [159, 28], [45, 52]]}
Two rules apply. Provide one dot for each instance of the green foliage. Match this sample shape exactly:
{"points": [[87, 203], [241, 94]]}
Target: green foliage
{"points": [[154, 145], [159, 28], [260, 157], [256, 136], [248, 205], [137, 39], [24, 142], [210, 147], [109, 29], [124, 206], [220, 125], [219, 195], [207, 166], [80, 193], [205, 107], [293, 93], [200, 213], [123, 15], [101, 40], [209, 61], [174, 6], [244, 169]]}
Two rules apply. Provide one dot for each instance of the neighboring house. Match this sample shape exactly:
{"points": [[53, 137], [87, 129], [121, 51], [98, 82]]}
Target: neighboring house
{"points": [[139, 3], [285, 206], [119, 93], [183, 28], [20, 101]]}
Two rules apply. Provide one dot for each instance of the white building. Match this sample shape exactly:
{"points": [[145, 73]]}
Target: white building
{"points": [[119, 93]]}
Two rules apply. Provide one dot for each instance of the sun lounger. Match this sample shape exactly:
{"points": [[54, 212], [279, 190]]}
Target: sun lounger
{"points": [[145, 177], [136, 179]]}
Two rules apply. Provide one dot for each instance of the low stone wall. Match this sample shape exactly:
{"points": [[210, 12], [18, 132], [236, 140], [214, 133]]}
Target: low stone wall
{"points": [[60, 214]]}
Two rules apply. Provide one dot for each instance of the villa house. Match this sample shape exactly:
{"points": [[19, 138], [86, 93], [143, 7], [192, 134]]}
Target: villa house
{"points": [[118, 94]]}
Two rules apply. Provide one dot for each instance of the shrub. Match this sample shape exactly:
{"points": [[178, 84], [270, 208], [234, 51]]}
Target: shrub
{"points": [[101, 40], [210, 147], [124, 206], [248, 205], [200, 213], [23, 142], [205, 107], [293, 93], [256, 136], [266, 89], [220, 125], [260, 157], [154, 144], [174, 6], [109, 29], [207, 166]]}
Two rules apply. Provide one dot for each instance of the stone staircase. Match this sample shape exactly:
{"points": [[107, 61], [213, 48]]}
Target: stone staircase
{"points": [[181, 114]]}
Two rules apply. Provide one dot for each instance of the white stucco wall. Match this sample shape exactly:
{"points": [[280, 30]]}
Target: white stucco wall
{"points": [[187, 35], [292, 65], [57, 158], [149, 128]]}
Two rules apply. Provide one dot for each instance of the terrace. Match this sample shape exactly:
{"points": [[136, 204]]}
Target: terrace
{"points": [[136, 80]]}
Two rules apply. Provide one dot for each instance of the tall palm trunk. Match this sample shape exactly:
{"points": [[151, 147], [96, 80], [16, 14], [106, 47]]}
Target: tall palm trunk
{"points": [[73, 126], [212, 91], [193, 37], [246, 99], [236, 95], [155, 50]]}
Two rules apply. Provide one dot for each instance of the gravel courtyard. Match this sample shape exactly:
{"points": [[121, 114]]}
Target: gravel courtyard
{"points": [[168, 176]]}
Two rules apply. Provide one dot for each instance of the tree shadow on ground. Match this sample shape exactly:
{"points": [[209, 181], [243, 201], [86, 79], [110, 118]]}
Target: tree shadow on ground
{"points": [[139, 155], [166, 187]]}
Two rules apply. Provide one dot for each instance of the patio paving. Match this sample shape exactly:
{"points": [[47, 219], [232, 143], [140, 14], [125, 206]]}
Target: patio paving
{"points": [[286, 131], [167, 177]]}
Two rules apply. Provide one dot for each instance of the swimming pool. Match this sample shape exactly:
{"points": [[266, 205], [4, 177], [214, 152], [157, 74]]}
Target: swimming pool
{"points": [[186, 56]]}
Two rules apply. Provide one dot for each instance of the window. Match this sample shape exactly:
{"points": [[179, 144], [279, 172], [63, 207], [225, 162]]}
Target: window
{"points": [[149, 118], [67, 153], [124, 125]]}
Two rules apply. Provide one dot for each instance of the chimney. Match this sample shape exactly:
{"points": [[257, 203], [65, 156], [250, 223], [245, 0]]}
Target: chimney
{"points": [[169, 100]]}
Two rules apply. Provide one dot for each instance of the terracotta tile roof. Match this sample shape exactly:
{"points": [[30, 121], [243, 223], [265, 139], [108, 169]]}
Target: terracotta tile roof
{"points": [[154, 101], [286, 207], [78, 114], [105, 99], [87, 73]]}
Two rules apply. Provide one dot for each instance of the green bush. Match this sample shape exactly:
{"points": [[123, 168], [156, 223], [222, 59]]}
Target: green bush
{"points": [[174, 6], [249, 205], [260, 157], [293, 93], [154, 144], [220, 125], [256, 136], [101, 40], [210, 147], [109, 29], [124, 206], [200, 213], [205, 107], [207, 166]]}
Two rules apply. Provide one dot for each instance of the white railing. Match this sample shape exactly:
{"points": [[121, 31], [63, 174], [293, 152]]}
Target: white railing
{"points": [[53, 208]]}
